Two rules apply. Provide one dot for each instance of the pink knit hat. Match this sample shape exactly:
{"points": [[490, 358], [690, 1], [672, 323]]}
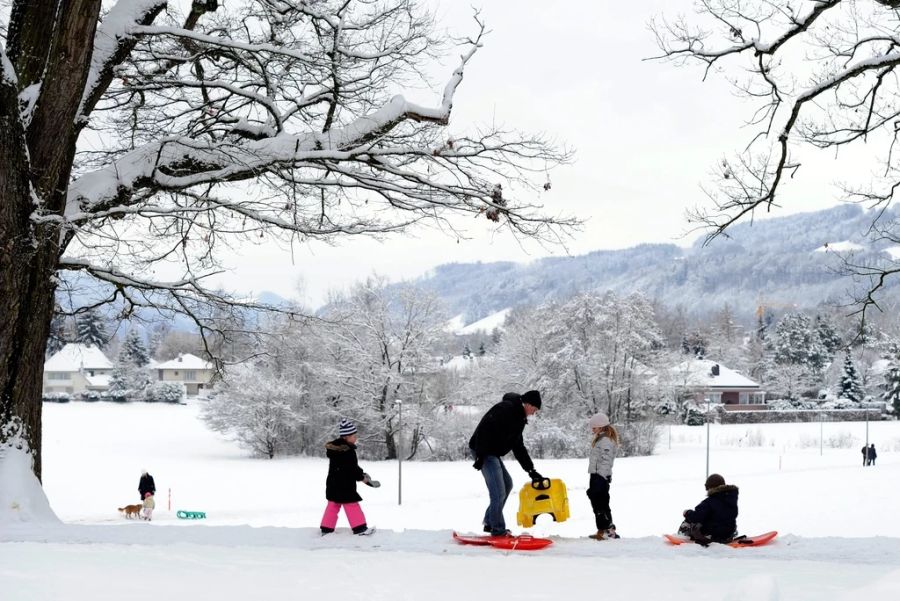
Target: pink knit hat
{"points": [[598, 421]]}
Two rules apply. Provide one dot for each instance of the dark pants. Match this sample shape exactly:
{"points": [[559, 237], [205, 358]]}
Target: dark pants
{"points": [[598, 493], [499, 484]]}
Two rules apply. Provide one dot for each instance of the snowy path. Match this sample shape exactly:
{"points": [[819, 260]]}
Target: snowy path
{"points": [[857, 551], [140, 562]]}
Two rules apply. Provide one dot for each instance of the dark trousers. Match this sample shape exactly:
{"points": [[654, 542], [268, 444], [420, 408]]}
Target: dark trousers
{"points": [[598, 493]]}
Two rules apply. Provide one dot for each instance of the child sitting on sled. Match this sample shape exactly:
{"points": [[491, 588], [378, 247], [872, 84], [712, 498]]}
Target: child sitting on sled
{"points": [[340, 485], [149, 506], [715, 518]]}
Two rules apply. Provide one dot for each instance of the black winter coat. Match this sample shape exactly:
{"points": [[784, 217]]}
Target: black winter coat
{"points": [[500, 431], [717, 513], [146, 485], [343, 472]]}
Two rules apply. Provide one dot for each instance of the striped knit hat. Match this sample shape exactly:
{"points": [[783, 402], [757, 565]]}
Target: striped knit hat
{"points": [[347, 427]]}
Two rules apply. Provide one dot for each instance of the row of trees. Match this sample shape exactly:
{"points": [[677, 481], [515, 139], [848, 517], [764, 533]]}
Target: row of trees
{"points": [[594, 352]]}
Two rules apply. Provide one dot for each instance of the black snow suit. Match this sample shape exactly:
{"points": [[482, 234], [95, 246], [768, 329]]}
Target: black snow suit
{"points": [[343, 472], [717, 513]]}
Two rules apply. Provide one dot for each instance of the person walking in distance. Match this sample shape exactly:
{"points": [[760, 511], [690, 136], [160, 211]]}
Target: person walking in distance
{"points": [[146, 485], [498, 433], [871, 454]]}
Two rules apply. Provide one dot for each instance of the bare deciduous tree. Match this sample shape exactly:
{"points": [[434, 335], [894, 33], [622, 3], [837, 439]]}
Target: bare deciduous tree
{"points": [[823, 74], [138, 143], [379, 346]]}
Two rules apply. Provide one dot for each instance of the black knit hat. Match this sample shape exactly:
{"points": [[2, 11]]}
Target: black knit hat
{"points": [[714, 480], [533, 398]]}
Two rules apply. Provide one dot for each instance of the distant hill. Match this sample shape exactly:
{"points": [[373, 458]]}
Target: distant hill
{"points": [[781, 261]]}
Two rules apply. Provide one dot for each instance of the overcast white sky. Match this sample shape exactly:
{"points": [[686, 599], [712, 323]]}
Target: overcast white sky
{"points": [[645, 133]]}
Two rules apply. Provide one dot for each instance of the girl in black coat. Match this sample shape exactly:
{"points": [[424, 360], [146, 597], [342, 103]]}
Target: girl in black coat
{"points": [[340, 485]]}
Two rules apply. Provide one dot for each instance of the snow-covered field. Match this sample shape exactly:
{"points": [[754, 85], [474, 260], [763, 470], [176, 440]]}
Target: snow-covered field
{"points": [[840, 534]]}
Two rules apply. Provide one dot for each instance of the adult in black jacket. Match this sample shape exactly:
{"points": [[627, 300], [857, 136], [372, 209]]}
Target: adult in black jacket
{"points": [[146, 485], [340, 484], [715, 518], [498, 433]]}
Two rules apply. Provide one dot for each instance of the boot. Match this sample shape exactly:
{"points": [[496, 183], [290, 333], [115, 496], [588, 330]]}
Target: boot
{"points": [[611, 533], [600, 535]]}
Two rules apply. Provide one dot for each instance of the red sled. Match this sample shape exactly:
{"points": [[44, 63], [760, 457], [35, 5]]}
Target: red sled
{"points": [[742, 541], [523, 542]]}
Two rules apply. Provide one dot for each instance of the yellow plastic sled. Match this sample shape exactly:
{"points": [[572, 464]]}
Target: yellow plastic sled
{"points": [[547, 496]]}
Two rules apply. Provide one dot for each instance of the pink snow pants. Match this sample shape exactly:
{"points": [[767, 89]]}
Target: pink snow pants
{"points": [[353, 511]]}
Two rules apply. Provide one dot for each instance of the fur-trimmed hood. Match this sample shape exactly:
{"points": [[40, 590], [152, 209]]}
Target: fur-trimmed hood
{"points": [[339, 445], [725, 488]]}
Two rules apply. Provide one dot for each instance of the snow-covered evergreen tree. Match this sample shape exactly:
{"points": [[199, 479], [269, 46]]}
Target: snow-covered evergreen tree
{"points": [[828, 335], [90, 329], [892, 381], [798, 343], [130, 374], [694, 343], [798, 355], [133, 350], [850, 386]]}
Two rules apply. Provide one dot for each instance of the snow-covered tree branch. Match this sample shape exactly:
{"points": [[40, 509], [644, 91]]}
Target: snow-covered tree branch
{"points": [[138, 137]]}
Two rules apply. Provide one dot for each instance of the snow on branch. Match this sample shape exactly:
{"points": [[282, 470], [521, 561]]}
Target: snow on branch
{"points": [[112, 44], [151, 164]]}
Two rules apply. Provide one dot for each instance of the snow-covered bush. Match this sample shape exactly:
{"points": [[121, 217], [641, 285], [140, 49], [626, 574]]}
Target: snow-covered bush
{"points": [[448, 440], [115, 396], [550, 439], [164, 392], [257, 408], [91, 396], [794, 404], [839, 403], [693, 415], [56, 397], [638, 438]]}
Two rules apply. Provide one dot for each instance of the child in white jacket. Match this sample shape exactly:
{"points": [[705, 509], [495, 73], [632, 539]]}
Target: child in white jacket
{"points": [[149, 506], [603, 453]]}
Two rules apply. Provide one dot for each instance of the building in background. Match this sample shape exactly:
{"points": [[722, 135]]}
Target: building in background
{"points": [[77, 368], [194, 373]]}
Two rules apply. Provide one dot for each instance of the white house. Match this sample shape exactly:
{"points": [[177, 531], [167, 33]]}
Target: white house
{"points": [[190, 370], [77, 368], [711, 381]]}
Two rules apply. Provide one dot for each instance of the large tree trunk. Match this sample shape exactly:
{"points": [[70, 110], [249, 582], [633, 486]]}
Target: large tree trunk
{"points": [[50, 43], [27, 267]]}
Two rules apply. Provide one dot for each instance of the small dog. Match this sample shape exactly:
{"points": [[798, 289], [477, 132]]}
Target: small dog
{"points": [[131, 511]]}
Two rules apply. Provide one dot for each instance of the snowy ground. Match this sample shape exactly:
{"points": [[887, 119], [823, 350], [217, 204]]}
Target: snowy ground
{"points": [[840, 537]]}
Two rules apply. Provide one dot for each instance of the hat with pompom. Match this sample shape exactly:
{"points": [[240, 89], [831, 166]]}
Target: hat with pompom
{"points": [[346, 427]]}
